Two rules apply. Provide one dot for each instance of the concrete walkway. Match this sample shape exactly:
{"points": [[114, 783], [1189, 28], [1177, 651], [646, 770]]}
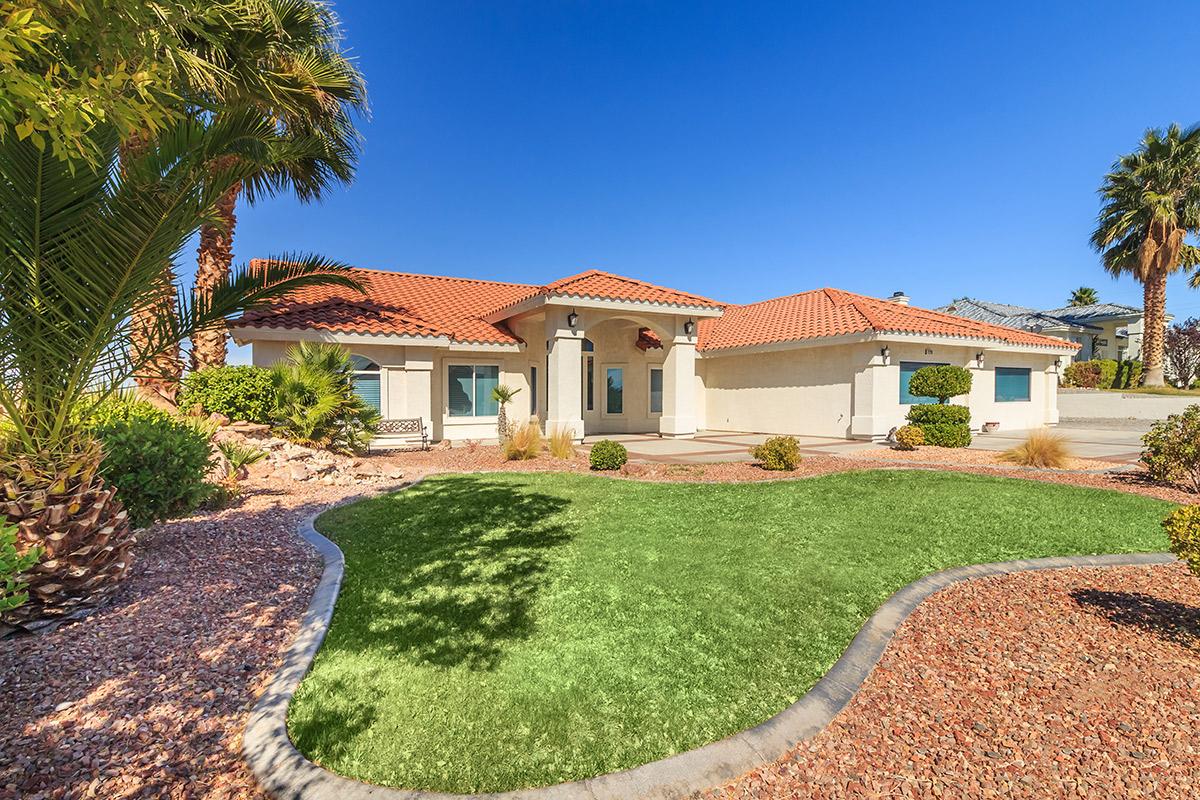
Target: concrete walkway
{"points": [[716, 446]]}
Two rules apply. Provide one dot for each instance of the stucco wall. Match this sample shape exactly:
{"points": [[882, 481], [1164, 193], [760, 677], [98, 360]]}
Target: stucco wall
{"points": [[821, 391], [803, 391]]}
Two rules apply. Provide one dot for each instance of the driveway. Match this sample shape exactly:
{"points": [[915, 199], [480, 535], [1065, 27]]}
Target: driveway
{"points": [[1085, 440]]}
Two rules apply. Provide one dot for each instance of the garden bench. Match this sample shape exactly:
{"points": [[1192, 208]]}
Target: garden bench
{"points": [[401, 433]]}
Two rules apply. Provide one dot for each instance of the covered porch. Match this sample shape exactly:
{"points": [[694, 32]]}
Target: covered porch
{"points": [[610, 367]]}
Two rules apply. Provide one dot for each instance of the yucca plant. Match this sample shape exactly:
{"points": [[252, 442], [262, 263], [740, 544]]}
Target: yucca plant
{"points": [[83, 249], [503, 395], [315, 400]]}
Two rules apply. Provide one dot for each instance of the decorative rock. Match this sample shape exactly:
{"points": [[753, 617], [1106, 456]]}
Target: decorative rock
{"points": [[219, 419]]}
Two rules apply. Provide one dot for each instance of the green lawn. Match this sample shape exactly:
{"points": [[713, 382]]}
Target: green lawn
{"points": [[500, 631], [1167, 390]]}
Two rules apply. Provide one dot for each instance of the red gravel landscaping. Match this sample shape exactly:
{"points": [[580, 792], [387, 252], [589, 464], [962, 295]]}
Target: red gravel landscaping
{"points": [[1067, 683], [1038, 685]]}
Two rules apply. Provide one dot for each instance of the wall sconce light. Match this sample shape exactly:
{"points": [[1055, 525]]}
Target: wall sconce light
{"points": [[886, 352], [572, 319], [689, 327], [1058, 365], [979, 358]]}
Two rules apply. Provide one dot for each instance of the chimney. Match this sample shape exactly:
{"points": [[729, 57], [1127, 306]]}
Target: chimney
{"points": [[899, 298]]}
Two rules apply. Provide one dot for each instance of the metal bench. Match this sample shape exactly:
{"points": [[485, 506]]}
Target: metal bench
{"points": [[401, 433]]}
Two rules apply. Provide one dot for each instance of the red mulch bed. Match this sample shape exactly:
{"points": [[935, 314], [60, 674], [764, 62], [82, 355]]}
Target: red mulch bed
{"points": [[160, 682], [1066, 683]]}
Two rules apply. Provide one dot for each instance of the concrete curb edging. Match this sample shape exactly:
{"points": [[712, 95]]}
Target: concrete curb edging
{"points": [[285, 774]]}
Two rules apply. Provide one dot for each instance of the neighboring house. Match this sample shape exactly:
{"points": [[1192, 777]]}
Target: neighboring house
{"points": [[1102, 330], [599, 353]]}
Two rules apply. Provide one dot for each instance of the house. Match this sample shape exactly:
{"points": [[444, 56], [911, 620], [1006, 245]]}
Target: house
{"points": [[1103, 330], [598, 353]]}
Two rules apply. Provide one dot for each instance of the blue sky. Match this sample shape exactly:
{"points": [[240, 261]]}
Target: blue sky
{"points": [[747, 150]]}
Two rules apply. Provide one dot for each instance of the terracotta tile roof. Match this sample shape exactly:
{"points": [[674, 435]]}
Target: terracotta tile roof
{"points": [[400, 303], [605, 286], [407, 304], [832, 312], [648, 340]]}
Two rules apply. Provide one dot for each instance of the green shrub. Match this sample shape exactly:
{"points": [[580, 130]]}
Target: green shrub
{"points": [[12, 564], [941, 382], [157, 463], [942, 426], [608, 455], [778, 453], [1103, 373], [943, 435], [1082, 375], [1172, 453], [240, 393], [939, 415], [315, 400], [910, 437], [1129, 374], [1183, 529]]}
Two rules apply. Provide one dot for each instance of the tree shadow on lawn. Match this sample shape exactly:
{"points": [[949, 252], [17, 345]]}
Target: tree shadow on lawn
{"points": [[1175, 622], [445, 573]]}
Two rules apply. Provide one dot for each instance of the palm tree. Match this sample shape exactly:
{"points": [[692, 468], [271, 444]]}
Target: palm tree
{"points": [[1151, 202], [503, 395], [290, 70], [82, 251], [1084, 296]]}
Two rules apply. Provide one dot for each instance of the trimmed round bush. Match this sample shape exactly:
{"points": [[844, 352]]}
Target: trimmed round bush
{"points": [[608, 455], [778, 453], [1183, 529], [909, 437], [157, 463], [240, 393], [1172, 453], [942, 435], [939, 415], [941, 382]]}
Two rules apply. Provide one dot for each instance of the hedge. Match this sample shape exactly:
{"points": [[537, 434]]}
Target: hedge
{"points": [[1103, 373]]}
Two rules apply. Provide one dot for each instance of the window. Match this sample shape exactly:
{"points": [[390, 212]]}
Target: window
{"points": [[469, 390], [615, 396], [656, 378], [1012, 384], [366, 381], [589, 380], [907, 368], [533, 391]]}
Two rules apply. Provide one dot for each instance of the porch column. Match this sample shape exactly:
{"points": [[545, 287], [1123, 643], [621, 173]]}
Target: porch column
{"points": [[418, 379], [876, 395], [678, 419], [563, 381]]}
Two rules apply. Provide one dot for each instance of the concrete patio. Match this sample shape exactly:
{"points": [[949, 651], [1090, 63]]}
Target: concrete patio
{"points": [[716, 446]]}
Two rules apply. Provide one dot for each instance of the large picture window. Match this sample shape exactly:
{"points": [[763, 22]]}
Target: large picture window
{"points": [[615, 391], [656, 389], [469, 390], [907, 368], [1012, 384], [366, 381]]}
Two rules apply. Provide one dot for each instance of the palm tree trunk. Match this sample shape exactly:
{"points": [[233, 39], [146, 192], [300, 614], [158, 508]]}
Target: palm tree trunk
{"points": [[160, 381], [209, 347], [1154, 294]]}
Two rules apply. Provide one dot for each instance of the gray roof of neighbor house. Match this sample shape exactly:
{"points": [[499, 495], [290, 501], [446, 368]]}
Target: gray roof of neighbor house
{"points": [[1029, 319], [1096, 311]]}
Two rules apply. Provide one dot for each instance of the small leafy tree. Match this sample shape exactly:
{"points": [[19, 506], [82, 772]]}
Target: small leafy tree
{"points": [[315, 400], [1183, 351], [1183, 530], [1172, 453], [503, 395], [941, 382]]}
